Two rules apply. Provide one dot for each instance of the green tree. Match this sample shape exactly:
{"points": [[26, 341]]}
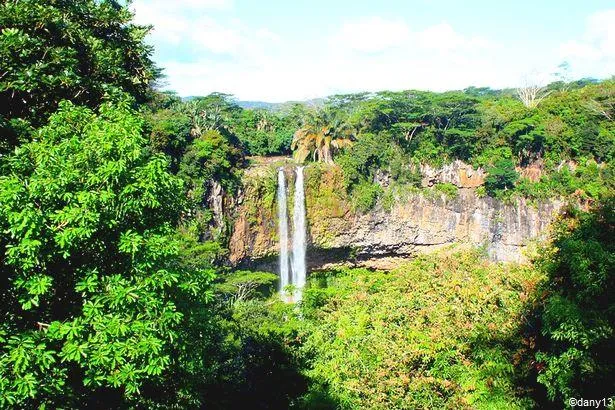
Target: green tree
{"points": [[210, 157], [263, 132], [361, 161], [577, 326], [527, 138], [169, 133], [321, 135], [66, 50], [501, 176], [215, 112], [454, 119], [91, 296]]}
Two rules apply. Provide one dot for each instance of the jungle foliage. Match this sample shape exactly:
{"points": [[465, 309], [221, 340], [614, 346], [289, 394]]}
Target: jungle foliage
{"points": [[571, 126], [452, 330], [114, 291], [577, 320], [79, 51], [440, 332], [455, 331], [92, 293]]}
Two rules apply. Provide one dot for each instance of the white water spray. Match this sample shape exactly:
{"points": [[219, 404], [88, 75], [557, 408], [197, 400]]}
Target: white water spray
{"points": [[296, 275], [299, 235], [283, 232]]}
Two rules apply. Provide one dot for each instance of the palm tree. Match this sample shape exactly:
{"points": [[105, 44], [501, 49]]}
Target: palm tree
{"points": [[204, 118], [321, 135]]}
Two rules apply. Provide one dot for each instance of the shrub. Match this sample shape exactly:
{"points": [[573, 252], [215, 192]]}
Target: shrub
{"points": [[360, 161], [481, 192], [501, 176], [402, 169], [449, 190], [364, 196], [578, 312], [438, 332]]}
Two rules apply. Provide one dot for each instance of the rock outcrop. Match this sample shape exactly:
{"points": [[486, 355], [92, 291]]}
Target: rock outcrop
{"points": [[421, 224], [418, 222], [457, 173]]}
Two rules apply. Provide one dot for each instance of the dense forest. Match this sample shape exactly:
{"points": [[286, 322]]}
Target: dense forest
{"points": [[116, 290]]}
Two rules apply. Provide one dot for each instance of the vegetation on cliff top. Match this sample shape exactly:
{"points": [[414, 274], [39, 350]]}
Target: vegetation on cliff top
{"points": [[568, 138]]}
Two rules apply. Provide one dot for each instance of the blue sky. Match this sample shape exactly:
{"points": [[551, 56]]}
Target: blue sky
{"points": [[294, 50]]}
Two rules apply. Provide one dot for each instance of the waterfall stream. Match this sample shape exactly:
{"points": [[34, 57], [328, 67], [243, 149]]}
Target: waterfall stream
{"points": [[296, 276], [283, 231], [298, 265]]}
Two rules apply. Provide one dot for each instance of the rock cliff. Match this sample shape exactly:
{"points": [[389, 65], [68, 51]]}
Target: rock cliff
{"points": [[420, 220]]}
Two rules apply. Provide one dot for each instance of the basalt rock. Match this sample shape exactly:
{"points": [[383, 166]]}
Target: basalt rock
{"points": [[417, 223], [457, 173], [422, 224]]}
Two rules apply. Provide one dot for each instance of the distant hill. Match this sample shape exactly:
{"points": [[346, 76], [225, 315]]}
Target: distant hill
{"points": [[255, 105], [474, 91], [250, 105]]}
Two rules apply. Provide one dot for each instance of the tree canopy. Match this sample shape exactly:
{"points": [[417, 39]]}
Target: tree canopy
{"points": [[89, 282], [66, 50]]}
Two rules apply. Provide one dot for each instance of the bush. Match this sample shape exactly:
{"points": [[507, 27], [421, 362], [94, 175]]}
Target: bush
{"points": [[501, 176], [588, 181], [361, 161], [481, 192], [210, 157], [578, 312], [439, 332], [402, 169], [449, 190], [364, 196]]}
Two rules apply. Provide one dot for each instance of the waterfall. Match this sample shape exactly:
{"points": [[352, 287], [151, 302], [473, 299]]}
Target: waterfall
{"points": [[299, 234], [296, 275], [283, 231]]}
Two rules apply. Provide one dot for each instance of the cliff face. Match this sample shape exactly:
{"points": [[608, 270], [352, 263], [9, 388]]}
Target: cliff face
{"points": [[422, 224], [417, 221]]}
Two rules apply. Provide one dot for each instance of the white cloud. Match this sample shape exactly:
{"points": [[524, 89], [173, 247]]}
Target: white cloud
{"points": [[375, 34], [270, 81], [215, 37], [168, 26], [594, 53], [388, 54], [267, 35], [436, 58], [601, 32], [369, 54], [365, 54], [178, 21], [180, 6], [442, 37], [371, 35]]}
